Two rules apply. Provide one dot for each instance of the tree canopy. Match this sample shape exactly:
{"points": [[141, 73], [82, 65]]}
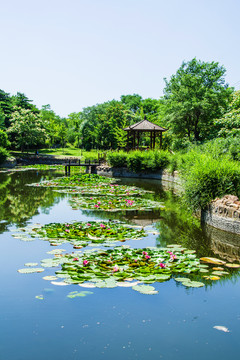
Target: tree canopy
{"points": [[194, 97]]}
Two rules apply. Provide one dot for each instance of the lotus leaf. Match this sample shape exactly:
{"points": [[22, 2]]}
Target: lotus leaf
{"points": [[31, 264], [30, 270], [214, 261], [233, 266]]}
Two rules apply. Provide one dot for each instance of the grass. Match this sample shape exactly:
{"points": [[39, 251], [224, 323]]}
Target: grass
{"points": [[61, 152]]}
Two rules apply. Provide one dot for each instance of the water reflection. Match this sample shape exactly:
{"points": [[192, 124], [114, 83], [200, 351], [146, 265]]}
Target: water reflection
{"points": [[19, 202], [175, 224]]}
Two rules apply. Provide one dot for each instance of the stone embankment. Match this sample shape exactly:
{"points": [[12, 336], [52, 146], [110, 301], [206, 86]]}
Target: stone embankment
{"points": [[224, 214]]}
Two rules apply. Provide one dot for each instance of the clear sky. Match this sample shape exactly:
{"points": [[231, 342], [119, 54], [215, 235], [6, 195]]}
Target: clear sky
{"points": [[76, 53]]}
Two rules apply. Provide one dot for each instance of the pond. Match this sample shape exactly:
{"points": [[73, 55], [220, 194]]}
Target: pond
{"points": [[40, 321]]}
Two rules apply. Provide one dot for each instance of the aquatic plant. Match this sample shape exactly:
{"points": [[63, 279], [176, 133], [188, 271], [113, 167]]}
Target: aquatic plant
{"points": [[82, 233], [108, 203]]}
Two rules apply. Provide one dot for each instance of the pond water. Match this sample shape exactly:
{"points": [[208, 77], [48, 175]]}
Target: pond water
{"points": [[119, 323]]}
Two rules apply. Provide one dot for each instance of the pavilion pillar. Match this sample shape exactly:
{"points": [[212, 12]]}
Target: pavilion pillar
{"points": [[154, 138], [138, 140], [151, 140], [134, 142], [160, 139]]}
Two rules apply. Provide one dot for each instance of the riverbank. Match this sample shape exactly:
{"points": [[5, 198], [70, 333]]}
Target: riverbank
{"points": [[223, 214]]}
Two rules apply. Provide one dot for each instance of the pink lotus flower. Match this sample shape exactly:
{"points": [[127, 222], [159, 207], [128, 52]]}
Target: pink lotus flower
{"points": [[85, 262], [173, 257], [91, 198], [75, 259], [162, 265], [147, 257], [135, 260], [99, 202], [102, 226], [170, 252], [88, 224], [96, 206], [68, 231], [144, 253], [116, 268]]}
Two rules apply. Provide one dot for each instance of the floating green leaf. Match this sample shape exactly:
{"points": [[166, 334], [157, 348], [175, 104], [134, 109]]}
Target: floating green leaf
{"points": [[31, 264], [30, 270]]}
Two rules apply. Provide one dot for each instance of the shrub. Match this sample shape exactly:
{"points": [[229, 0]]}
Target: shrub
{"points": [[208, 178], [135, 160], [117, 159], [3, 154], [148, 161], [4, 142]]}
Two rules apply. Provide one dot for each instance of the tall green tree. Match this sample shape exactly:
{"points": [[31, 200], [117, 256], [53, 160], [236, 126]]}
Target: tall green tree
{"points": [[6, 109], [194, 97], [27, 129]]}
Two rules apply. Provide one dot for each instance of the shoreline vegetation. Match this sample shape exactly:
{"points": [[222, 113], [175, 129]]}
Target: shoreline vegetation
{"points": [[206, 172], [199, 111]]}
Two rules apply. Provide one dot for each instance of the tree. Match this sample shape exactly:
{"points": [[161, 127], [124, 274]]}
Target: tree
{"points": [[6, 108], [27, 129], [229, 124], [52, 124], [194, 97], [132, 102]]}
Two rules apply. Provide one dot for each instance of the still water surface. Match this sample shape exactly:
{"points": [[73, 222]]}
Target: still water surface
{"points": [[116, 323]]}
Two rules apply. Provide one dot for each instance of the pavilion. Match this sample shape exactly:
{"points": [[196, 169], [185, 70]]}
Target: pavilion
{"points": [[144, 126]]}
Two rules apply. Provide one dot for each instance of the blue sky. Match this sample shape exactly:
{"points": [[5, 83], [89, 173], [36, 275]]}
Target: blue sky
{"points": [[76, 53]]}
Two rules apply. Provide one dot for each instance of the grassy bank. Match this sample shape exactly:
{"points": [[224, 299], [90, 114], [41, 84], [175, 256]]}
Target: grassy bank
{"points": [[205, 175]]}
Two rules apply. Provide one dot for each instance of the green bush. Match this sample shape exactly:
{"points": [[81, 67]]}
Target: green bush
{"points": [[3, 154], [117, 159], [148, 161], [208, 178], [4, 142], [135, 160]]}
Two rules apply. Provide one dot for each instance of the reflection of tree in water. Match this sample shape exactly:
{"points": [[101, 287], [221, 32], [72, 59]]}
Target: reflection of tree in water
{"points": [[4, 181], [20, 202], [179, 226], [137, 217]]}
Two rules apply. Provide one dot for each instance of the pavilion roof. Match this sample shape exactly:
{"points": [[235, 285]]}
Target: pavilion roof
{"points": [[144, 125]]}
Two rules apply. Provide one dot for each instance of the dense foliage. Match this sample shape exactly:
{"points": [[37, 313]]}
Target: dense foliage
{"points": [[197, 106], [194, 97]]}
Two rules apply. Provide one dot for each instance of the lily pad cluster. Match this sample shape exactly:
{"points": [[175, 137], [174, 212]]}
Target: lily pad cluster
{"points": [[127, 267], [105, 189], [121, 263], [109, 203], [75, 180], [80, 234]]}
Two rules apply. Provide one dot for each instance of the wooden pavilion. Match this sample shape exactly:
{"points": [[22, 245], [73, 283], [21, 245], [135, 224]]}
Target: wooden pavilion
{"points": [[140, 127]]}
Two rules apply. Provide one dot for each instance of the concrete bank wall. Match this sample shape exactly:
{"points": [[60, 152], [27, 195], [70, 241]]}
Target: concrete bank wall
{"points": [[124, 172], [223, 214]]}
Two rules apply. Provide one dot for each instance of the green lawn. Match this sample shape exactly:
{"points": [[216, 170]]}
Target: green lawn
{"points": [[81, 154]]}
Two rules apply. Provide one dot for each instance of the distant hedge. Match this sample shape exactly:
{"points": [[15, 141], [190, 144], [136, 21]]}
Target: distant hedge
{"points": [[138, 161]]}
